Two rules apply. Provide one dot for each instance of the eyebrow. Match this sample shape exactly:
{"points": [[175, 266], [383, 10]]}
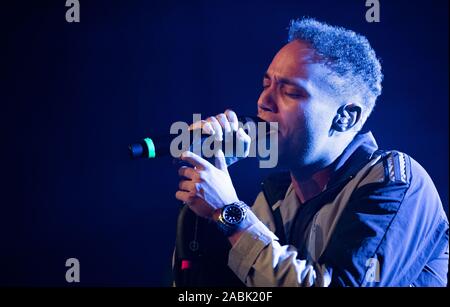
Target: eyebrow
{"points": [[289, 81], [284, 80]]}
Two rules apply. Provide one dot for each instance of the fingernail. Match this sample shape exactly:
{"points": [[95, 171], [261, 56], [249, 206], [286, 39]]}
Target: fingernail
{"points": [[235, 126]]}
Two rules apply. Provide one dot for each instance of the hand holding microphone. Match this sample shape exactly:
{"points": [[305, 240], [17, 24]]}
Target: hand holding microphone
{"points": [[224, 127], [206, 187], [225, 131]]}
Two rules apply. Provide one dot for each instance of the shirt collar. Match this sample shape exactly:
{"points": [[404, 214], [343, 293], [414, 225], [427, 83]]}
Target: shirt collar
{"points": [[355, 156], [277, 186]]}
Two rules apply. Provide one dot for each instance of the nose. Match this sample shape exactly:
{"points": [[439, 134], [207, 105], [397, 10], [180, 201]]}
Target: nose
{"points": [[267, 101]]}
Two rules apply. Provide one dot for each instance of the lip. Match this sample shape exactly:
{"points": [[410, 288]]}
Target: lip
{"points": [[261, 115], [264, 118], [271, 122]]}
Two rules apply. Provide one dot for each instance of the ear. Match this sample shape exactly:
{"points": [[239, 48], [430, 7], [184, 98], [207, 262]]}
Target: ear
{"points": [[347, 117]]}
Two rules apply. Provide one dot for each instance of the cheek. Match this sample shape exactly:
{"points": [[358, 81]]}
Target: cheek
{"points": [[318, 120], [293, 129]]}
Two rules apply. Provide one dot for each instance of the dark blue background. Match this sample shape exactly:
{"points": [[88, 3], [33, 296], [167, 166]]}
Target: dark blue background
{"points": [[76, 94]]}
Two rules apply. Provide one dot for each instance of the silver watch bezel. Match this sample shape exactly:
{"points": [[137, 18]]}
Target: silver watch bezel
{"points": [[227, 227]]}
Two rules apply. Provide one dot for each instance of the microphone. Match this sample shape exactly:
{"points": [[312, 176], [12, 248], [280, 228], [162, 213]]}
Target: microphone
{"points": [[159, 146]]}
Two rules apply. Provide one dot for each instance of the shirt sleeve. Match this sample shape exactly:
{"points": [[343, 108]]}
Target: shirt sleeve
{"points": [[260, 261]]}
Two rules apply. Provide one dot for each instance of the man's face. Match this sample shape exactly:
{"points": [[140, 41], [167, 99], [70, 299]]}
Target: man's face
{"points": [[297, 96]]}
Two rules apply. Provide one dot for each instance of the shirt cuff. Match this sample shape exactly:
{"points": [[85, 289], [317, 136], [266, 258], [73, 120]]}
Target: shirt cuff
{"points": [[245, 251]]}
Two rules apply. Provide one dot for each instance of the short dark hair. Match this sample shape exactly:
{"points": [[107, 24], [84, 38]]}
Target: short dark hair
{"points": [[345, 53]]}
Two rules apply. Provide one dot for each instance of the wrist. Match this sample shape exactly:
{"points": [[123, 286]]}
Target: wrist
{"points": [[249, 221], [232, 218], [216, 214]]}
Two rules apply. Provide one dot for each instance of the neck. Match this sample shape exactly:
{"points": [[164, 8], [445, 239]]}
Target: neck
{"points": [[307, 187], [311, 180]]}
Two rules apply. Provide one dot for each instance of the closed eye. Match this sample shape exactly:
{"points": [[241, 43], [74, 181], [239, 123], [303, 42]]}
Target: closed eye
{"points": [[295, 92], [295, 95]]}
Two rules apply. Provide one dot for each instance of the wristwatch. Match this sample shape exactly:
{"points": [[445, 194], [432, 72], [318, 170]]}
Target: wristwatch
{"points": [[231, 216]]}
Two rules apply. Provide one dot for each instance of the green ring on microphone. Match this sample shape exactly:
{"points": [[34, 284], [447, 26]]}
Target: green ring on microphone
{"points": [[150, 147]]}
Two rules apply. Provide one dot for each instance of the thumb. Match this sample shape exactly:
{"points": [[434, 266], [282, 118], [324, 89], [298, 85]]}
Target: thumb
{"points": [[220, 161]]}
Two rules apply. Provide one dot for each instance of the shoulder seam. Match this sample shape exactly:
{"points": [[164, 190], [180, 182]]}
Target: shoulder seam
{"points": [[397, 167]]}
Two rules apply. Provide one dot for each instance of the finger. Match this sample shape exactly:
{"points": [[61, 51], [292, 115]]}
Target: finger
{"points": [[220, 160], [216, 127], [232, 118], [188, 172], [207, 128], [195, 160], [188, 186], [245, 139], [203, 125], [224, 123], [183, 196], [197, 125], [242, 136]]}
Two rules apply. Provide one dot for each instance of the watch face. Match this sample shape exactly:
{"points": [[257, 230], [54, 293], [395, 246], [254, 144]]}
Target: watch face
{"points": [[233, 214]]}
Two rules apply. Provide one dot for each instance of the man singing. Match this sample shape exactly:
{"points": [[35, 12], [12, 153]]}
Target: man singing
{"points": [[344, 213]]}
